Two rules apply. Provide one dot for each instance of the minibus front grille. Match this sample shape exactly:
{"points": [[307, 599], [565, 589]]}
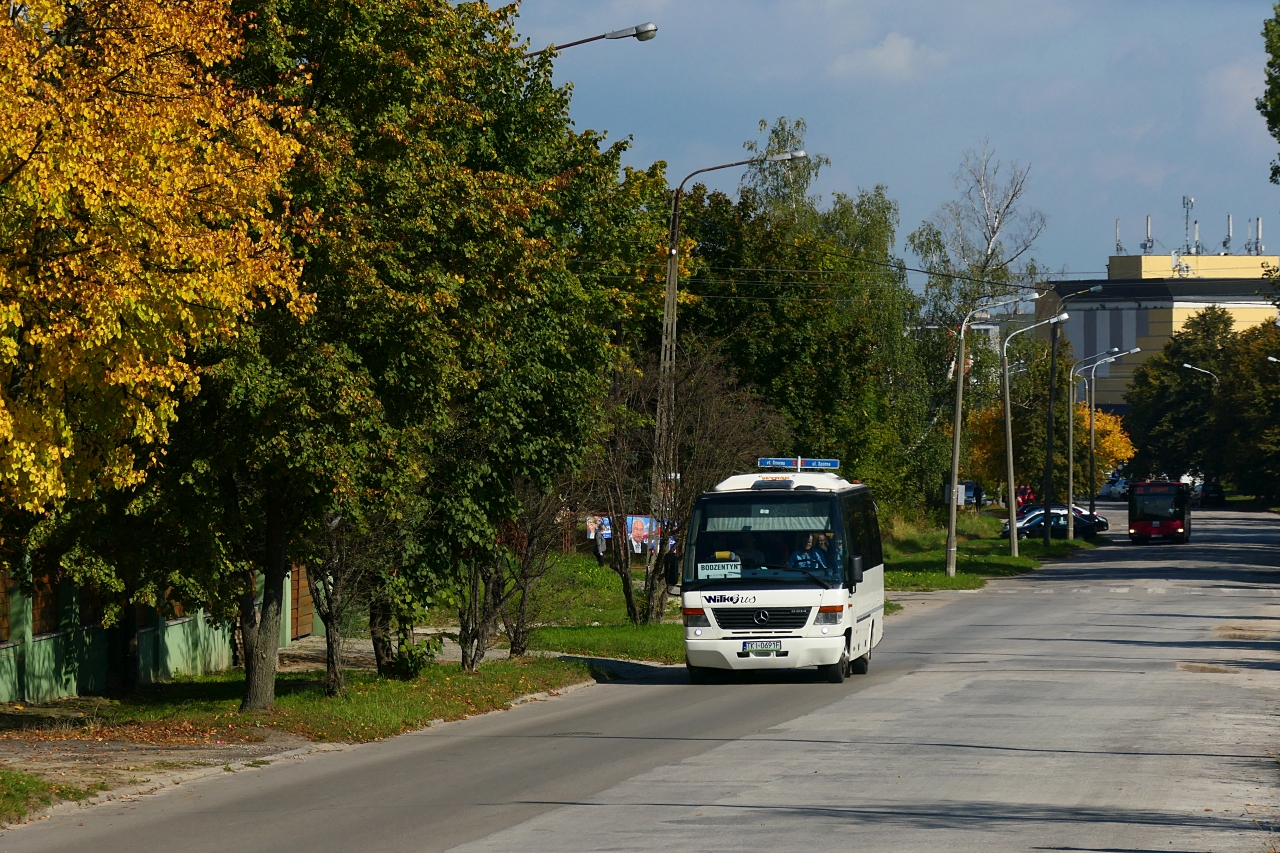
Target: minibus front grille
{"points": [[761, 618]]}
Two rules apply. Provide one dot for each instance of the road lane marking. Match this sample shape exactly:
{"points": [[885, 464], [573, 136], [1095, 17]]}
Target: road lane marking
{"points": [[1159, 590], [1119, 589]]}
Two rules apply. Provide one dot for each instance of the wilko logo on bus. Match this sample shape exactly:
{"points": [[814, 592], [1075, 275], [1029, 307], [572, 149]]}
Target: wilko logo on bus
{"points": [[734, 598]]}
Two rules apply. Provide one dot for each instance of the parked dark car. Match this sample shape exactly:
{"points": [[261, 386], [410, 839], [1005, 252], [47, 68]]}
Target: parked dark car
{"points": [[1208, 494], [1099, 521], [1031, 526]]}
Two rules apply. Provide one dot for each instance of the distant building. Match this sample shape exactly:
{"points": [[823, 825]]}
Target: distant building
{"points": [[1146, 298]]}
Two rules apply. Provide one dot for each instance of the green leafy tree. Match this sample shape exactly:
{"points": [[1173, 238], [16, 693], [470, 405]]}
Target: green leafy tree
{"points": [[811, 306], [1248, 409], [1174, 412]]}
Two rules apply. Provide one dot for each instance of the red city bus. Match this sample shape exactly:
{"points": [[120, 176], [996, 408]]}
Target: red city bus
{"points": [[1159, 509]]}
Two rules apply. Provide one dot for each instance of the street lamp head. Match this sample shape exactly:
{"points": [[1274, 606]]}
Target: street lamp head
{"points": [[798, 154], [1097, 288], [1189, 366], [1134, 351], [644, 32], [1273, 358], [1061, 318]]}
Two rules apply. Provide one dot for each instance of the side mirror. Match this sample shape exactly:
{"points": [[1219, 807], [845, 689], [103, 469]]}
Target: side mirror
{"points": [[672, 570], [856, 568]]}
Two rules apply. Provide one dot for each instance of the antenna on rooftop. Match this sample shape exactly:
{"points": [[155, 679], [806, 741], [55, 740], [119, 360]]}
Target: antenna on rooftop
{"points": [[1148, 244], [1119, 245], [1197, 248], [1226, 244], [1187, 204], [1258, 247]]}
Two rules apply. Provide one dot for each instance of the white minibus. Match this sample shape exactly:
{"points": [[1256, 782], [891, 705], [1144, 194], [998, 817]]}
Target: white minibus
{"points": [[783, 570]]}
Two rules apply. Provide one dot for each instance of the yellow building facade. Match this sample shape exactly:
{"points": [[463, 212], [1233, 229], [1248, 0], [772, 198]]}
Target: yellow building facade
{"points": [[1145, 299]]}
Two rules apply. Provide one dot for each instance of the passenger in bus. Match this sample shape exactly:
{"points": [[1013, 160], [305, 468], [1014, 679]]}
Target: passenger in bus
{"points": [[808, 559]]}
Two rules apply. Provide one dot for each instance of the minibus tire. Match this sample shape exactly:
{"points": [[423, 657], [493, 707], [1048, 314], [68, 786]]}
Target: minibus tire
{"points": [[835, 671], [698, 674], [859, 666]]}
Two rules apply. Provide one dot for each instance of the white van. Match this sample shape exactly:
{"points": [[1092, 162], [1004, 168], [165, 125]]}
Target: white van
{"points": [[783, 571]]}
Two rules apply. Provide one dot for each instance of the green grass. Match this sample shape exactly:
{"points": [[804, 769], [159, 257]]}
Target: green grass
{"points": [[374, 707], [21, 793], [891, 607], [664, 642], [915, 554]]}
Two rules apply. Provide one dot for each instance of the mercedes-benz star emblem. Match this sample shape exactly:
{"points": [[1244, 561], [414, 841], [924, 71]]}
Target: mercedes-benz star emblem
{"points": [[762, 617]]}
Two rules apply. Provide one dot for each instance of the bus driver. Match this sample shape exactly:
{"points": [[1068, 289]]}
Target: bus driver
{"points": [[809, 559]]}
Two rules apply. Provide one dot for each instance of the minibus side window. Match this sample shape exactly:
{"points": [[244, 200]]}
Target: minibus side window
{"points": [[851, 525], [872, 555]]}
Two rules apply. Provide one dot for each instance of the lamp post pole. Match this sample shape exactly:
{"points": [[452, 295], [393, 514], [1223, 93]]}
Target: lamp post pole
{"points": [[1008, 427], [1048, 437], [1071, 439], [642, 32], [664, 473], [954, 491], [1091, 392]]}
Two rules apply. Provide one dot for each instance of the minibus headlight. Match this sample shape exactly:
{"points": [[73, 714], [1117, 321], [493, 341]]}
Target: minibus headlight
{"points": [[696, 617], [829, 615]]}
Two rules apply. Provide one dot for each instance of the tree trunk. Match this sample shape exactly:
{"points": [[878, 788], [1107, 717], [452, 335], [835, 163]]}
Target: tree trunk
{"points": [[472, 636], [334, 682], [380, 632], [516, 618], [655, 585], [260, 660], [622, 566]]}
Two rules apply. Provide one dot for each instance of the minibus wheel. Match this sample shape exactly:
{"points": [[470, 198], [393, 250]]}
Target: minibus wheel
{"points": [[835, 671], [859, 666], [698, 674]]}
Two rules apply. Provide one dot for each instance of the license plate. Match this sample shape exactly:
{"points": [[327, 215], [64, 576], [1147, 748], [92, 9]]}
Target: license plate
{"points": [[1155, 524], [762, 645]]}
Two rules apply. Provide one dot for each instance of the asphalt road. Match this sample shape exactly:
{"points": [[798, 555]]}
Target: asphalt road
{"points": [[1125, 701]]}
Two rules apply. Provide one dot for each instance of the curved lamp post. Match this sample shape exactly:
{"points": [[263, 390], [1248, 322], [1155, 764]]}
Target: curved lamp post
{"points": [[1008, 425], [642, 32], [1047, 500], [955, 437], [1206, 372], [664, 473], [1091, 392], [1076, 370]]}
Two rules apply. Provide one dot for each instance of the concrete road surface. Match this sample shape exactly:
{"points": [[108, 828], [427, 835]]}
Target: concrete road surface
{"points": [[1125, 701]]}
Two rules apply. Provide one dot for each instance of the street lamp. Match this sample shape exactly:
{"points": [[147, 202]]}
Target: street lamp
{"points": [[1273, 358], [955, 437], [664, 445], [1205, 372], [1071, 440], [1048, 430], [1091, 387], [1008, 424], [643, 32]]}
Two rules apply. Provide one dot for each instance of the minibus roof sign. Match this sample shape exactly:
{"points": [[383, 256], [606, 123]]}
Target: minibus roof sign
{"points": [[797, 462]]}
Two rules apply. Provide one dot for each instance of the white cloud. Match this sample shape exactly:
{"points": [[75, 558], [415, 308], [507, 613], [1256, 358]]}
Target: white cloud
{"points": [[898, 57]]}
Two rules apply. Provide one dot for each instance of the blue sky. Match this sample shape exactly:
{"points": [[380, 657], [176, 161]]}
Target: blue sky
{"points": [[1120, 108]]}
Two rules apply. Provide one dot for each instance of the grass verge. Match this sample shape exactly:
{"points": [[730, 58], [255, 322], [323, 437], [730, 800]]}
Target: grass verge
{"points": [[21, 793], [915, 554], [664, 642], [204, 709]]}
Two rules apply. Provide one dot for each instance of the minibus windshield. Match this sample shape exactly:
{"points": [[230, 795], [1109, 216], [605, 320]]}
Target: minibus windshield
{"points": [[772, 538]]}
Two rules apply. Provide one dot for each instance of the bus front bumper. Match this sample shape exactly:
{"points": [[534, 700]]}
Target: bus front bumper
{"points": [[796, 652]]}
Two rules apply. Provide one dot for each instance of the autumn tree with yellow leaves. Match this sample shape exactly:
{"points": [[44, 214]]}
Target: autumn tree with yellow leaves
{"points": [[138, 199], [987, 449]]}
